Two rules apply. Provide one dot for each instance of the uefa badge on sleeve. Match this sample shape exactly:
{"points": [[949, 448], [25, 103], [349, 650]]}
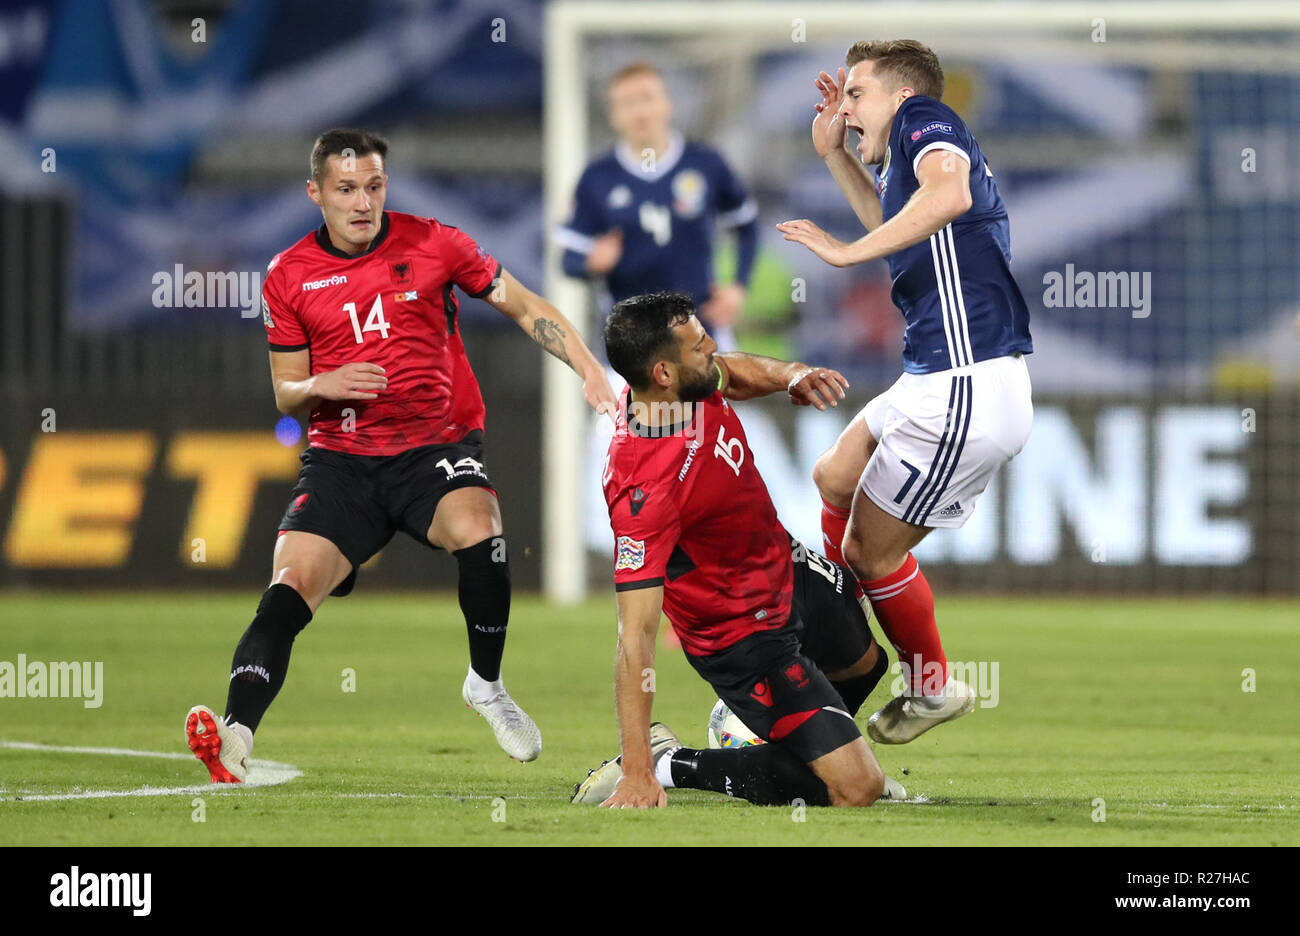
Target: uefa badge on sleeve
{"points": [[931, 128], [631, 554]]}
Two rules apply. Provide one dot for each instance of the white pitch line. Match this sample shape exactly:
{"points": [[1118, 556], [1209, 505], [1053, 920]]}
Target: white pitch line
{"points": [[124, 752], [261, 773], [456, 796]]}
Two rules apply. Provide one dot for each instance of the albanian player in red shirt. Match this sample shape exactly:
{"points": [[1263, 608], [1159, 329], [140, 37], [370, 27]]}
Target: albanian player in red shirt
{"points": [[776, 630], [361, 320]]}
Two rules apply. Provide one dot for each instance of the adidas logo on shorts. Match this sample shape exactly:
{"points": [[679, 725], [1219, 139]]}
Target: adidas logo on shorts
{"points": [[952, 510]]}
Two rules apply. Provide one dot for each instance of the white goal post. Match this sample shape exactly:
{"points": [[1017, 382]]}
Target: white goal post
{"points": [[1147, 32]]}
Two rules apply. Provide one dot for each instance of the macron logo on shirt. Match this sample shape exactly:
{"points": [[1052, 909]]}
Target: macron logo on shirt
{"points": [[337, 280]]}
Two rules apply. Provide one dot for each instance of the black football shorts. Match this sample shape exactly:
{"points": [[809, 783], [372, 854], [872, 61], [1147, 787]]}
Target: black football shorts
{"points": [[779, 693], [775, 680], [358, 502], [834, 632]]}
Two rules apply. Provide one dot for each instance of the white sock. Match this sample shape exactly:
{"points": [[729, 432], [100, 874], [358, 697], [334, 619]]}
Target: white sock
{"points": [[934, 701], [663, 768], [244, 735], [480, 689]]}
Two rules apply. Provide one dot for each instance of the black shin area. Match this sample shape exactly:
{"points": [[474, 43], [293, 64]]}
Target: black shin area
{"points": [[854, 690], [262, 656], [485, 601], [764, 774]]}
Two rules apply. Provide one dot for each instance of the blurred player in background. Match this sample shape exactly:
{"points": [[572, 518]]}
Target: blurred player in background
{"points": [[645, 213], [775, 629], [919, 455], [362, 325]]}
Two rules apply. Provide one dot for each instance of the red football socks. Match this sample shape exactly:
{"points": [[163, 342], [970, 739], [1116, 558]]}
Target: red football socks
{"points": [[835, 521], [904, 606]]}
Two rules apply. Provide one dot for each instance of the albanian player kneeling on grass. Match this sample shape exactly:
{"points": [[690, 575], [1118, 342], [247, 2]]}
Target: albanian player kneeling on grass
{"points": [[775, 629]]}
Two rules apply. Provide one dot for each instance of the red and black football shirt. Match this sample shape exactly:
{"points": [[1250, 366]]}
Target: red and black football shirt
{"points": [[690, 512], [393, 306]]}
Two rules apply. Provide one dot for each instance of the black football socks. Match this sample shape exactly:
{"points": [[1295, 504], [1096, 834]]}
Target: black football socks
{"points": [[484, 592], [262, 657], [854, 691], [764, 774]]}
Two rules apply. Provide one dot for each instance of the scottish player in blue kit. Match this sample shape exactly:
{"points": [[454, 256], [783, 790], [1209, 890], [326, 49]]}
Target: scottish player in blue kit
{"points": [[645, 214], [919, 455]]}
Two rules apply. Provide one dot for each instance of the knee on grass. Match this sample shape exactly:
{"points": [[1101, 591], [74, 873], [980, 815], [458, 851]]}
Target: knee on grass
{"points": [[861, 789]]}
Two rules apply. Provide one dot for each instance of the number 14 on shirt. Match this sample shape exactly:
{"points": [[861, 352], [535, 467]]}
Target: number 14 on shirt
{"points": [[375, 321]]}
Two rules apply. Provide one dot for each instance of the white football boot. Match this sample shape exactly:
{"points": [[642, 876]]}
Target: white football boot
{"points": [[600, 783], [906, 717], [517, 734], [893, 791], [217, 744]]}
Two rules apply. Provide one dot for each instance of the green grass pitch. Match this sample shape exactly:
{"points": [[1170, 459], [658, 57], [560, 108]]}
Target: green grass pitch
{"points": [[1137, 702]]}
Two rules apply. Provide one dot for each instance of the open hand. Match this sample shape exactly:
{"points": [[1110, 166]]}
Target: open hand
{"points": [[637, 791], [359, 380], [818, 386], [832, 250], [599, 394], [828, 126]]}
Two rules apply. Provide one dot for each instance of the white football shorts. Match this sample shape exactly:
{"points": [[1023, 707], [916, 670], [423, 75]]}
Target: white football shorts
{"points": [[942, 436]]}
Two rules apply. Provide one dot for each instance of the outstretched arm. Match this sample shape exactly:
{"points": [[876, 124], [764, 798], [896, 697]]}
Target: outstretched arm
{"points": [[745, 376], [638, 625], [944, 196], [546, 325]]}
